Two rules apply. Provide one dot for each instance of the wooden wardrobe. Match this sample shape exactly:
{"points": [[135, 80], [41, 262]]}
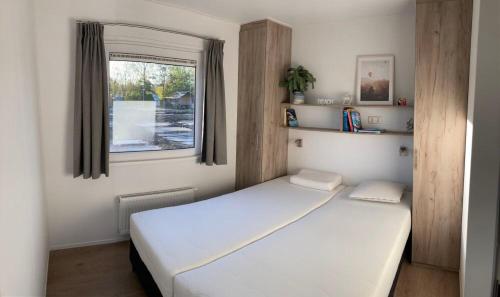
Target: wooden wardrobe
{"points": [[443, 32], [264, 57]]}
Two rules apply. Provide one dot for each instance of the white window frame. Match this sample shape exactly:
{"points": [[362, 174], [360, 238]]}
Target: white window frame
{"points": [[160, 44]]}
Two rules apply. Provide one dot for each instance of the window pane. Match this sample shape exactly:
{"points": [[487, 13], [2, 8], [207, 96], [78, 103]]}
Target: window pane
{"points": [[153, 106]]}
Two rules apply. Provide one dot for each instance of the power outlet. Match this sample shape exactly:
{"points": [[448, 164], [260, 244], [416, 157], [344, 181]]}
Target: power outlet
{"points": [[375, 120]]}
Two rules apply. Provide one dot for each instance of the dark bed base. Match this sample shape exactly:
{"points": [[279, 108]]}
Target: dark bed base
{"points": [[152, 289], [143, 273], [406, 256]]}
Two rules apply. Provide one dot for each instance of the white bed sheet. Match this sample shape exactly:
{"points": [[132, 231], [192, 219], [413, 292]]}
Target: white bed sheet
{"points": [[346, 248], [177, 239]]}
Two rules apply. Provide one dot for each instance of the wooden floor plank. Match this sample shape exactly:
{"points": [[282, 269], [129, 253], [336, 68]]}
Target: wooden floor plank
{"points": [[105, 271], [419, 281], [102, 271]]}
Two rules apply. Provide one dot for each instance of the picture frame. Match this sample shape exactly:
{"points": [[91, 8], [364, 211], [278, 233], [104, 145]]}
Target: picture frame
{"points": [[375, 80]]}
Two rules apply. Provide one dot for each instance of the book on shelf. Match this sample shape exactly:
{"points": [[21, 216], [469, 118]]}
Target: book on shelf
{"points": [[356, 121], [351, 120], [345, 121], [291, 118], [371, 130]]}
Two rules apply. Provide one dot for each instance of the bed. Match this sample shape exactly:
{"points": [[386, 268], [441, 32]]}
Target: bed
{"points": [[170, 241], [346, 248]]}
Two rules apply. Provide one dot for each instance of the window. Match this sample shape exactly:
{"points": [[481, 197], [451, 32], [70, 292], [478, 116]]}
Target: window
{"points": [[153, 103]]}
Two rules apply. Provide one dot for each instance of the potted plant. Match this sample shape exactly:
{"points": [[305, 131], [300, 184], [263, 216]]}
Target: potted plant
{"points": [[297, 82]]}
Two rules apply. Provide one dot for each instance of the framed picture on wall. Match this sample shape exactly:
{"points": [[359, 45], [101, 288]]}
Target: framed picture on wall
{"points": [[375, 80]]}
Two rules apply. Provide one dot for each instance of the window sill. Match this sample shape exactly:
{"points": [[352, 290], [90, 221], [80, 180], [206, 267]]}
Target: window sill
{"points": [[145, 160]]}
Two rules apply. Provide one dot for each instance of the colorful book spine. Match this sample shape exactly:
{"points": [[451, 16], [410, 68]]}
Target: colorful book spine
{"points": [[351, 120], [292, 118], [356, 120], [349, 117], [345, 121]]}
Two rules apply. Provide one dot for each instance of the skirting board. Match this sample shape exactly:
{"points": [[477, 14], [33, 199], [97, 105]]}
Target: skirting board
{"points": [[88, 243]]}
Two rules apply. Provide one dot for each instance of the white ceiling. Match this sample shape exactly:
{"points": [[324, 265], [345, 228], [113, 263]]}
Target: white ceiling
{"points": [[293, 11]]}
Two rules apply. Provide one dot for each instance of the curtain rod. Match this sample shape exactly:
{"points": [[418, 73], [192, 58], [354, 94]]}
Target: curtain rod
{"points": [[148, 27]]}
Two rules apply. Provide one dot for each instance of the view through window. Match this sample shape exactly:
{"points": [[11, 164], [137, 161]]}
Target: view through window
{"points": [[152, 104]]}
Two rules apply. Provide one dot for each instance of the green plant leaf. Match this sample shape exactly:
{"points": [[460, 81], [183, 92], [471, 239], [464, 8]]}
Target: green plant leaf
{"points": [[298, 79]]}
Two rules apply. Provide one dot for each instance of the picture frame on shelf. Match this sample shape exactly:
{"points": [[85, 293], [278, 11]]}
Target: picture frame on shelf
{"points": [[375, 80]]}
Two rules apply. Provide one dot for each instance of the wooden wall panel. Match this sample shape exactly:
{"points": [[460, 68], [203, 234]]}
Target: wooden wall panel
{"points": [[442, 68], [251, 95], [262, 150], [275, 147]]}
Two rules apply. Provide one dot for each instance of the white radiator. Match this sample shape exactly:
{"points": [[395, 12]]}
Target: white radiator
{"points": [[132, 203]]}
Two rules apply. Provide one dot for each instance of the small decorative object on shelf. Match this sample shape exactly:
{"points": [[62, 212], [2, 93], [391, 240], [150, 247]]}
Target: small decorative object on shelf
{"points": [[403, 101], [291, 117], [326, 101], [409, 125], [347, 100], [297, 81]]}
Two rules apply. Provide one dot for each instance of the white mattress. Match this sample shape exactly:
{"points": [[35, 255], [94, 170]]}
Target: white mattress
{"points": [[346, 248], [176, 239]]}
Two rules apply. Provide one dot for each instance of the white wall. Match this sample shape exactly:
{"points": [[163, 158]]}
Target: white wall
{"points": [[23, 247], [329, 51], [84, 211], [482, 176], [356, 157]]}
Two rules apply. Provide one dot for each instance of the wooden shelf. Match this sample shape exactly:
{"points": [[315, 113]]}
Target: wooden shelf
{"points": [[331, 130], [284, 105]]}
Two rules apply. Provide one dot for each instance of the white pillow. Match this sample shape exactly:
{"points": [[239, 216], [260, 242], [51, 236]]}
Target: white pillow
{"points": [[320, 180], [383, 191]]}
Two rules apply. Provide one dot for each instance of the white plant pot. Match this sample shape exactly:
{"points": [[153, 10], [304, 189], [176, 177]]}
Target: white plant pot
{"points": [[298, 98]]}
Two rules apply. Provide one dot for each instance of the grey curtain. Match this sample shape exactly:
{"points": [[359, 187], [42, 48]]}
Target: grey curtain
{"points": [[214, 128], [91, 127]]}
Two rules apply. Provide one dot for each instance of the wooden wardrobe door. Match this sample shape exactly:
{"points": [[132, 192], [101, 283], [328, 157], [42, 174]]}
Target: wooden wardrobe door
{"points": [[275, 137], [262, 144], [442, 68], [251, 96]]}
